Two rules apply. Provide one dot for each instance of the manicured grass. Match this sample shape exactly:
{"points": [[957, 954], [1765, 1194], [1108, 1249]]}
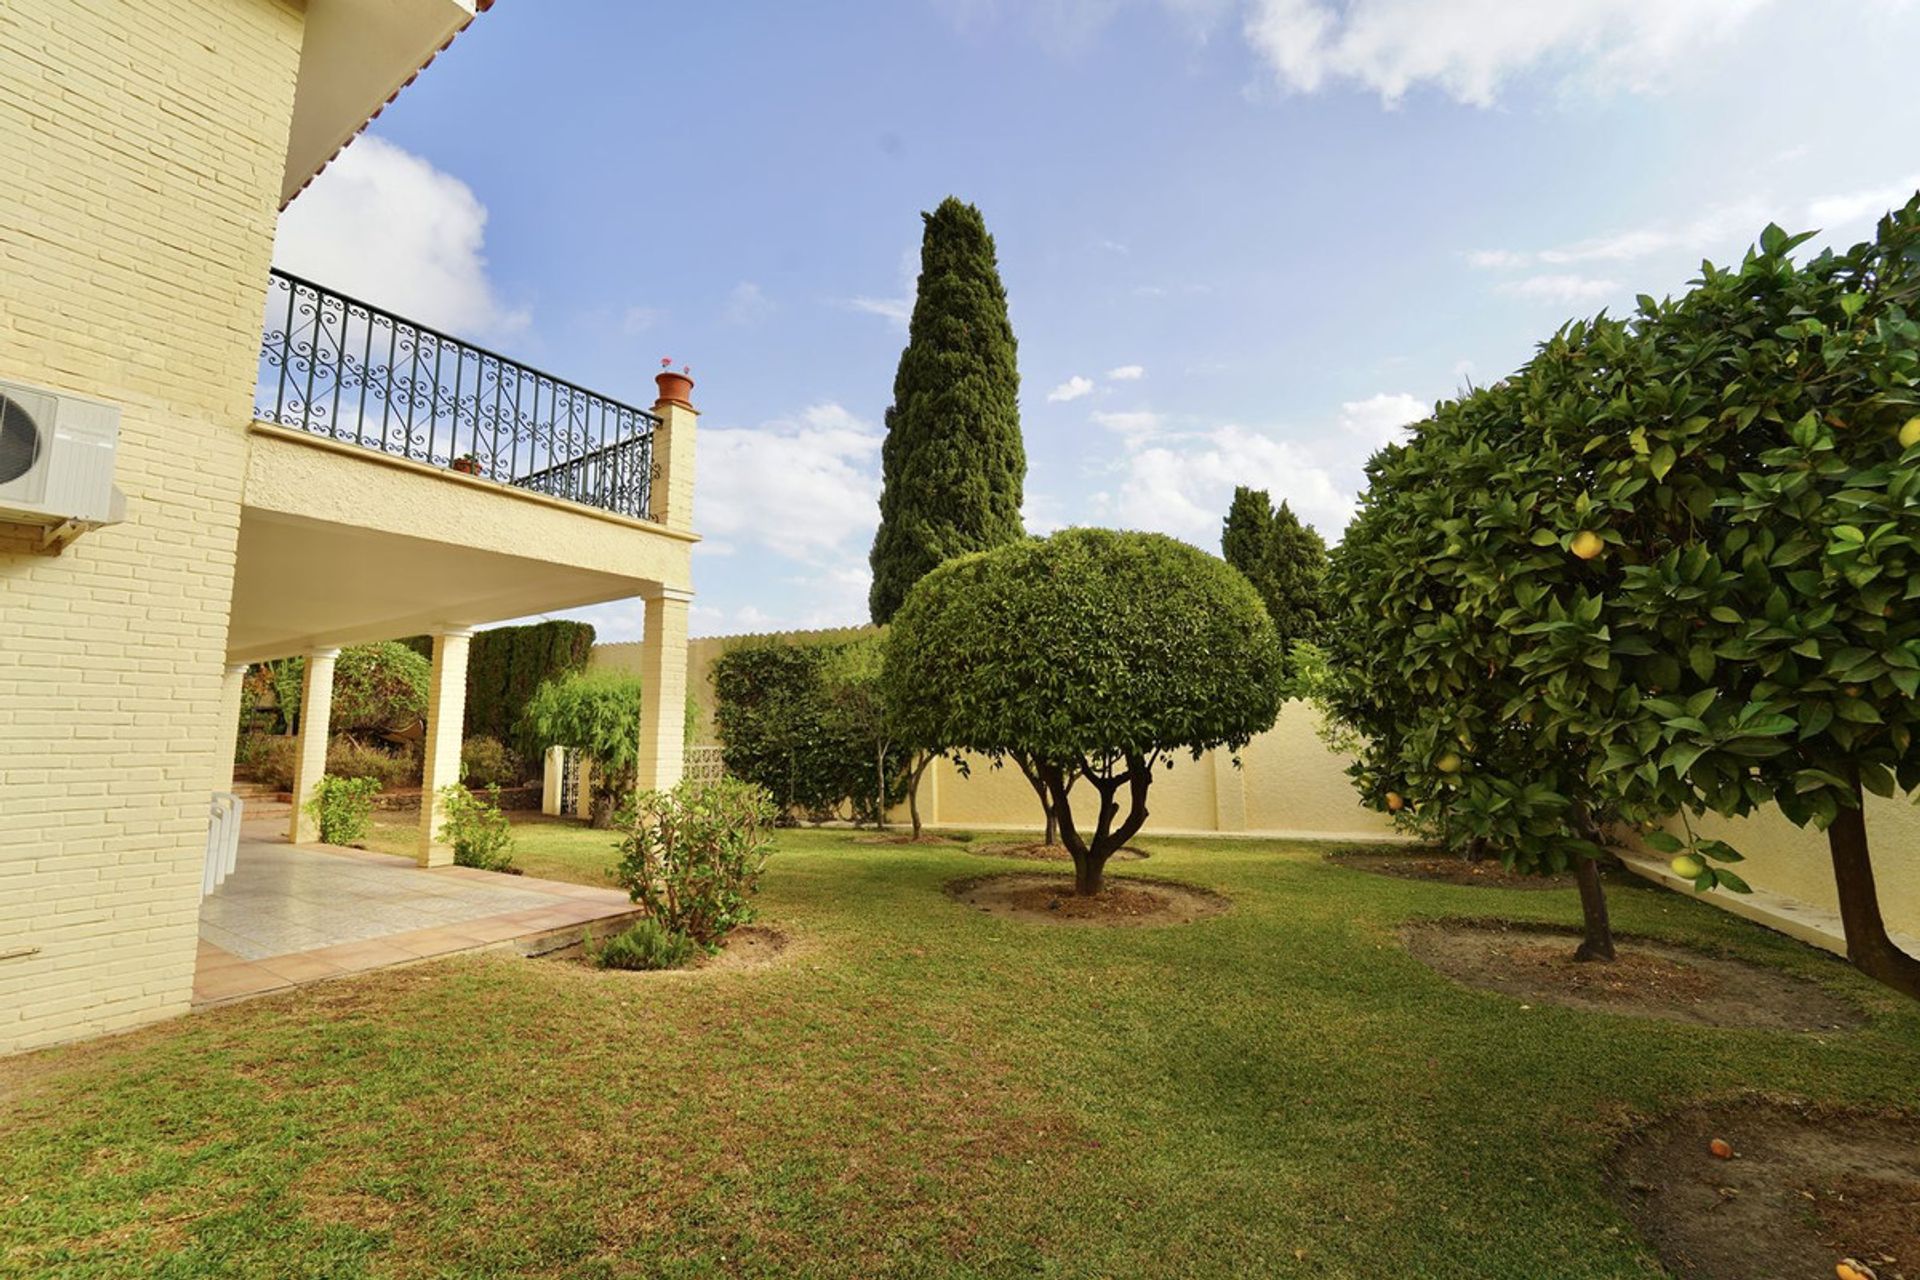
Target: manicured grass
{"points": [[551, 848], [915, 1090]]}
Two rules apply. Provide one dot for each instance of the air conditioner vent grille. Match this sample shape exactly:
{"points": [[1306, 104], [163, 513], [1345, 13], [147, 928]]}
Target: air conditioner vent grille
{"points": [[21, 440]]}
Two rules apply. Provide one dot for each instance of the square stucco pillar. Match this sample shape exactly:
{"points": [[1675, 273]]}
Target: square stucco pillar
{"points": [[446, 718], [663, 689], [310, 755], [232, 686], [671, 497]]}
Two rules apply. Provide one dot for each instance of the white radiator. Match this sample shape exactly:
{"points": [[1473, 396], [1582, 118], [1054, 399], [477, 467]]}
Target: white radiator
{"points": [[223, 840]]}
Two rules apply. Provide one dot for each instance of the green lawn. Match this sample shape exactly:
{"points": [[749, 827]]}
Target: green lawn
{"points": [[916, 1090]]}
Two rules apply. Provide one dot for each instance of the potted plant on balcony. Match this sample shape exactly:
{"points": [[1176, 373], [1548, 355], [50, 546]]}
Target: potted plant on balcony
{"points": [[675, 386], [467, 464]]}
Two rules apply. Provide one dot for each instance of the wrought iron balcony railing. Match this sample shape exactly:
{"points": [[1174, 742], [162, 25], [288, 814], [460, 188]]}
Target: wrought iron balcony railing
{"points": [[343, 369]]}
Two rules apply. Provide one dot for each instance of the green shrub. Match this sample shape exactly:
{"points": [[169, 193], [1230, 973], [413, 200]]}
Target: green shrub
{"points": [[792, 718], [596, 713], [351, 758], [342, 807], [268, 759], [488, 762], [480, 834], [506, 665], [645, 944], [693, 856], [378, 688]]}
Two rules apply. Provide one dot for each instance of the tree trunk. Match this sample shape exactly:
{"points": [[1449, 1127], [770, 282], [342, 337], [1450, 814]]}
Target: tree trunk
{"points": [[1030, 772], [1090, 857], [1868, 946], [880, 782], [913, 790], [1598, 942]]}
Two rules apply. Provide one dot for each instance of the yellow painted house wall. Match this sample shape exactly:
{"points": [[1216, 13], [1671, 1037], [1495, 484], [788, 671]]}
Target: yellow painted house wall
{"points": [[1793, 862], [141, 154]]}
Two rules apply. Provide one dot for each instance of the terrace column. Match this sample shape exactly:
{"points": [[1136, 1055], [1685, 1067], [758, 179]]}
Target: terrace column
{"points": [[663, 689], [232, 686], [671, 497], [446, 719], [310, 755]]}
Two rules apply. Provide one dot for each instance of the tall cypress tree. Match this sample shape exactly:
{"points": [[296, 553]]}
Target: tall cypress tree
{"points": [[953, 464], [1284, 559]]}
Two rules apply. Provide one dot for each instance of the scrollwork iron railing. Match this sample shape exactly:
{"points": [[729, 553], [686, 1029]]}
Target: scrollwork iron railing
{"points": [[340, 368]]}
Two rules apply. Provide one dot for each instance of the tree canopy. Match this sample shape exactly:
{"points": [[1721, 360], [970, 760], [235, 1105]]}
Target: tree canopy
{"points": [[953, 465], [596, 713], [1285, 560], [1676, 560], [1092, 652]]}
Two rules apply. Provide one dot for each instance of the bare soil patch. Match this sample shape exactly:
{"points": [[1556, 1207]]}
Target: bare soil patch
{"points": [[1649, 979], [1806, 1188], [751, 946], [1126, 901], [1446, 869], [1041, 852]]}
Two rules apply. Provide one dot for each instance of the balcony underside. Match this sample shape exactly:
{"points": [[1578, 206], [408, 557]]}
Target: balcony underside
{"points": [[341, 546]]}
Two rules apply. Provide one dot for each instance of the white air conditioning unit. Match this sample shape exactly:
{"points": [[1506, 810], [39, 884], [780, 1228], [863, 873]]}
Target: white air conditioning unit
{"points": [[56, 462]]}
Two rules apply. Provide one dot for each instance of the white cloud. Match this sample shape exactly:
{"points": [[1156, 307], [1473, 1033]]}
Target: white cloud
{"points": [[1133, 425], [1469, 49], [637, 320], [807, 489], [1854, 206], [747, 303], [383, 224], [1183, 487], [1072, 389], [1573, 290], [1382, 419], [1127, 373], [897, 310]]}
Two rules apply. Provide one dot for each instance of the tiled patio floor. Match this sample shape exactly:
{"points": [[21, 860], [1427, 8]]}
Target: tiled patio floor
{"points": [[293, 914]]}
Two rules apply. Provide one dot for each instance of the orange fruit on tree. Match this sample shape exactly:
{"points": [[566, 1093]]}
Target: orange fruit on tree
{"points": [[1395, 802], [1587, 544], [1910, 432]]}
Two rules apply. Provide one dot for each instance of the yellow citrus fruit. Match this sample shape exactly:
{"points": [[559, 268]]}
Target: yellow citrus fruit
{"points": [[1910, 432], [1395, 802], [1587, 544], [1448, 763], [1687, 865]]}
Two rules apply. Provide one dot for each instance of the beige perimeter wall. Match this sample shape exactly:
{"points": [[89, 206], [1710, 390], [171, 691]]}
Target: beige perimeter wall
{"points": [[1292, 784], [141, 149]]}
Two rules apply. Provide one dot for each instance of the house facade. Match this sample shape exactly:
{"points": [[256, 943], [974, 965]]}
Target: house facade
{"points": [[299, 470]]}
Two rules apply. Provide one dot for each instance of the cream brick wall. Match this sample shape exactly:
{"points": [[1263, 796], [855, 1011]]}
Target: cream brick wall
{"points": [[141, 149]]}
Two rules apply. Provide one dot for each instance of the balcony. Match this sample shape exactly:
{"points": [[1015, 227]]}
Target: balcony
{"points": [[344, 370]]}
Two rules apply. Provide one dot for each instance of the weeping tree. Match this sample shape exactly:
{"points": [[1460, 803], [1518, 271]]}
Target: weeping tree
{"points": [[1681, 552], [596, 713], [1094, 654], [953, 465], [854, 699]]}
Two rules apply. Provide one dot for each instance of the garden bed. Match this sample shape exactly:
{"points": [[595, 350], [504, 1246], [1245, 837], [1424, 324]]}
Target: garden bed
{"points": [[1648, 979], [1804, 1189], [1125, 901], [1443, 868], [751, 946]]}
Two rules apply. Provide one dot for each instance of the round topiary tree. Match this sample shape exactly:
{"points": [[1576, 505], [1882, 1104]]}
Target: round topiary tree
{"points": [[1092, 653]]}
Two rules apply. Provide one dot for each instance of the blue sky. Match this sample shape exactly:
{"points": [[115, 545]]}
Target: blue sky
{"points": [[1244, 240]]}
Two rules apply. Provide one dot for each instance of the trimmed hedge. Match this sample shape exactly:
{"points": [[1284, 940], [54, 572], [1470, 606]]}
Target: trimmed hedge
{"points": [[505, 666]]}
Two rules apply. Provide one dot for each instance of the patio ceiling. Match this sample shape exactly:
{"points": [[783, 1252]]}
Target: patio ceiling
{"points": [[341, 546]]}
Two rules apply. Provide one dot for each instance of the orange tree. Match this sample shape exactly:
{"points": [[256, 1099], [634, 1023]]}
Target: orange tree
{"points": [[1682, 553], [1093, 654]]}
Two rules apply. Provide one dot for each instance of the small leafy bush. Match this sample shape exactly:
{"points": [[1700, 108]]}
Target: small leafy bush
{"points": [[692, 857], [350, 758], [342, 807], [645, 944], [487, 762], [268, 759], [480, 834]]}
